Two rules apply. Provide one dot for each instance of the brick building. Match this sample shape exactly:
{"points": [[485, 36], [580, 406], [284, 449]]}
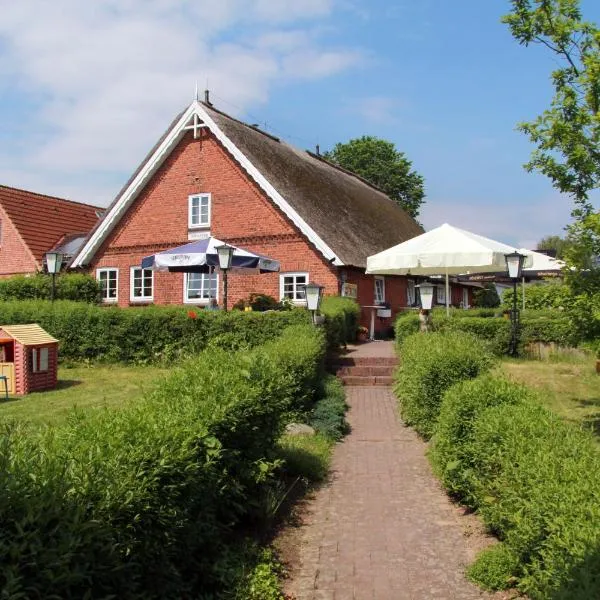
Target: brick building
{"points": [[32, 224], [211, 174]]}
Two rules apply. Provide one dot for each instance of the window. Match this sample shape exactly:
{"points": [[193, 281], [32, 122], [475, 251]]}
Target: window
{"points": [[108, 280], [141, 283], [441, 294], [39, 360], [465, 295], [289, 286], [200, 287], [411, 297], [379, 290], [199, 210]]}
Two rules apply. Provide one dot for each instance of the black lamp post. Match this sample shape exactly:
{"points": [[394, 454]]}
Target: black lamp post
{"points": [[225, 253], [514, 265], [313, 293], [53, 264]]}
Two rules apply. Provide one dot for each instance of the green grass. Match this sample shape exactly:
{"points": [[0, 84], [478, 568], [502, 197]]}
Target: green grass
{"points": [[84, 387], [306, 455], [568, 385]]}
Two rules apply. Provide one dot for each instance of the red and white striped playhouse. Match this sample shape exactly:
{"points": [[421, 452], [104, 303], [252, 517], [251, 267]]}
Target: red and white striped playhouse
{"points": [[28, 358]]}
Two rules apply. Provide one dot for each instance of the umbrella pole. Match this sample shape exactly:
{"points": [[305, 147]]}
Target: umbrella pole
{"points": [[523, 291], [447, 294]]}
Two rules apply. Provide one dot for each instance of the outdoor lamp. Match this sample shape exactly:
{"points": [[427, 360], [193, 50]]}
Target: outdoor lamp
{"points": [[225, 254], [53, 263], [426, 290], [514, 264], [313, 292]]}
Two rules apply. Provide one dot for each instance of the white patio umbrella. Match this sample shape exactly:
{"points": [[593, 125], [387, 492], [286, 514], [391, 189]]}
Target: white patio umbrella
{"points": [[445, 250]]}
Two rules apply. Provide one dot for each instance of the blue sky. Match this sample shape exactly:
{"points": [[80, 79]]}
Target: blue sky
{"points": [[86, 89]]}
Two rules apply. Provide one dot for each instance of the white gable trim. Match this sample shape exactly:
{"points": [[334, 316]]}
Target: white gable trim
{"points": [[111, 219]]}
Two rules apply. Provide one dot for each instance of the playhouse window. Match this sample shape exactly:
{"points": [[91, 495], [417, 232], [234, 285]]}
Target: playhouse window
{"points": [[39, 360]]}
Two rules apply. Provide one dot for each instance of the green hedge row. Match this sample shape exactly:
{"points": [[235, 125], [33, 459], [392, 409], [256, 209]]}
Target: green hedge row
{"points": [[536, 326], [148, 334], [533, 478], [145, 502], [69, 286], [432, 363], [341, 319]]}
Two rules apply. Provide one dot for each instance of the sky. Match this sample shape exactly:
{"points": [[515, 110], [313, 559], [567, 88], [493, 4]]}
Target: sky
{"points": [[86, 89]]}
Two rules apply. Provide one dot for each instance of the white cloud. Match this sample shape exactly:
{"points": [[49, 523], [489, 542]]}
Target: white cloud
{"points": [[513, 222], [108, 76], [374, 109]]}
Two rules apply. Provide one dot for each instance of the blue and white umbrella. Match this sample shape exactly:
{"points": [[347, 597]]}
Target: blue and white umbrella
{"points": [[201, 257]]}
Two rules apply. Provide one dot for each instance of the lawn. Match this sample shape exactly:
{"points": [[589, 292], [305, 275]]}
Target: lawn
{"points": [[88, 387], [569, 385]]}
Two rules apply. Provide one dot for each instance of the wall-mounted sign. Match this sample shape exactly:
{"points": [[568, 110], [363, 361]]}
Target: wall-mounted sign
{"points": [[350, 290]]}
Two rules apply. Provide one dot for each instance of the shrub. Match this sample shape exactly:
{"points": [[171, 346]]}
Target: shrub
{"points": [[341, 319], [147, 334], [430, 364], [539, 296], [69, 286], [462, 405], [143, 502], [328, 415], [486, 297], [494, 568]]}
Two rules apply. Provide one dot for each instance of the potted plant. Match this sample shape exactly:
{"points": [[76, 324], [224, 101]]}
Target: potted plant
{"points": [[362, 334]]}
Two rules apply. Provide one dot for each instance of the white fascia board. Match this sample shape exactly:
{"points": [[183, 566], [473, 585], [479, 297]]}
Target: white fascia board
{"points": [[173, 137], [114, 215], [277, 198]]}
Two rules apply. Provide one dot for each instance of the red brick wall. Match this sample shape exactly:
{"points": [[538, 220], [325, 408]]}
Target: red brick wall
{"points": [[15, 257], [240, 214], [25, 380]]}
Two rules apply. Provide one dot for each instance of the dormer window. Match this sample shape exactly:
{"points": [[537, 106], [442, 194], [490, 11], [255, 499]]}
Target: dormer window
{"points": [[199, 211]]}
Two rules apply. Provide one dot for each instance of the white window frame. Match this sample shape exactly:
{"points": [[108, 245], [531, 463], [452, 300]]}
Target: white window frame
{"points": [[107, 270], [440, 295], [40, 360], [187, 300], [465, 295], [133, 298], [191, 198], [378, 300], [411, 290], [295, 274]]}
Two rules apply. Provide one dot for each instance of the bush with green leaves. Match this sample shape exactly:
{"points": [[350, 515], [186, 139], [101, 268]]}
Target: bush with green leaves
{"points": [[486, 297], [147, 334], [69, 286], [145, 502], [540, 296], [430, 364], [341, 319], [328, 415], [535, 481]]}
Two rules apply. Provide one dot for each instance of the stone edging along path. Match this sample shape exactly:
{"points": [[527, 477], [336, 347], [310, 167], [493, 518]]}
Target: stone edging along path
{"points": [[382, 528]]}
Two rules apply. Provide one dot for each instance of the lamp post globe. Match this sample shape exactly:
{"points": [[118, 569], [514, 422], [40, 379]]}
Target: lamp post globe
{"points": [[313, 294], [225, 255], [53, 264], [426, 291], [514, 266]]}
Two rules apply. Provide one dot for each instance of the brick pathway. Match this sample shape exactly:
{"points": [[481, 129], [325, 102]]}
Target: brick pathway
{"points": [[382, 529]]}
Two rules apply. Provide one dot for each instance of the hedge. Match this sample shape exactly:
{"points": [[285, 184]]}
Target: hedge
{"points": [[533, 478], [432, 363], [147, 334], [144, 502], [536, 326], [71, 286], [341, 319]]}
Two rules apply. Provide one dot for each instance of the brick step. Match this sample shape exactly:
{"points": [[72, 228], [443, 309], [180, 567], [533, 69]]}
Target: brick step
{"points": [[353, 380], [380, 371], [364, 361]]}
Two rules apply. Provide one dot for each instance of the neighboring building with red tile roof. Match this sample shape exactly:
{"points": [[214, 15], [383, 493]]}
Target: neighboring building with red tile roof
{"points": [[31, 224]]}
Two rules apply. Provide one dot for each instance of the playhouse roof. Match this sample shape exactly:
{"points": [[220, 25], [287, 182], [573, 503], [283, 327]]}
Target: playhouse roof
{"points": [[29, 335]]}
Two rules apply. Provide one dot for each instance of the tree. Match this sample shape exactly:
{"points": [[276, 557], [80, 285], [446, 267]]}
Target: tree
{"points": [[567, 135], [559, 245], [486, 297], [379, 162]]}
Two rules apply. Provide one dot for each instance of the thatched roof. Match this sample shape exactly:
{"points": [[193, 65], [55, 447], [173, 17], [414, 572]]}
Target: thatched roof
{"points": [[354, 218], [344, 213]]}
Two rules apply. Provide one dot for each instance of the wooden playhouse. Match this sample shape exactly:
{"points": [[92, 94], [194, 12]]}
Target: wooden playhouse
{"points": [[28, 358]]}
